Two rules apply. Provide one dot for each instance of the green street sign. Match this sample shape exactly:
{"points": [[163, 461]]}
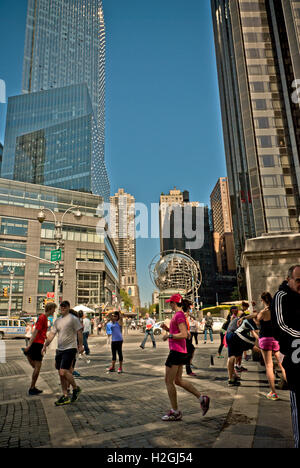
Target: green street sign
{"points": [[55, 255]]}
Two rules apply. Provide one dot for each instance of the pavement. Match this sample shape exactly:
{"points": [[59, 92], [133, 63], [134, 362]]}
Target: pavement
{"points": [[124, 411]]}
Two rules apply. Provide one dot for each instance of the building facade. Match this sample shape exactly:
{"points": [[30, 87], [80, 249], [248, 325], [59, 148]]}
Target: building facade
{"points": [[90, 258], [1, 154], [51, 139], [222, 227], [258, 60], [55, 130], [173, 236], [122, 226]]}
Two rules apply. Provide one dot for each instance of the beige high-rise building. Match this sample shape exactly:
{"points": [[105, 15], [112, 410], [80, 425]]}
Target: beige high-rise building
{"points": [[258, 60], [123, 228], [222, 224]]}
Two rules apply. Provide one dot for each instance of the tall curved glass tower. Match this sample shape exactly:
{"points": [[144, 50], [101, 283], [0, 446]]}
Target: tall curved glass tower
{"points": [[64, 50]]}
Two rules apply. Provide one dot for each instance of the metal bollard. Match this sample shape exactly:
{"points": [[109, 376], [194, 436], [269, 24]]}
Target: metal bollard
{"points": [[2, 352]]}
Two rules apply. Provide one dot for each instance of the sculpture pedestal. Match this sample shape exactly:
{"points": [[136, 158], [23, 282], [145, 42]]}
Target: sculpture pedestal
{"points": [[266, 261]]}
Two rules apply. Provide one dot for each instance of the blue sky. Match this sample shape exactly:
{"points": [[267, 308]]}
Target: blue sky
{"points": [[163, 121]]}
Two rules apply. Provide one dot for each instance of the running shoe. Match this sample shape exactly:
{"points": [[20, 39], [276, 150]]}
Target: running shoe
{"points": [[192, 374], [234, 383], [120, 371], [240, 369], [64, 400], [76, 393], [273, 396], [172, 416], [111, 369], [34, 392], [204, 403]]}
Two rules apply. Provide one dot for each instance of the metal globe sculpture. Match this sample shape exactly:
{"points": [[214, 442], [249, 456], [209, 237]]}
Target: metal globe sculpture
{"points": [[175, 270]]}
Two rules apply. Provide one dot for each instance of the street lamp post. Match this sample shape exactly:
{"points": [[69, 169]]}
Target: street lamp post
{"points": [[59, 243]]}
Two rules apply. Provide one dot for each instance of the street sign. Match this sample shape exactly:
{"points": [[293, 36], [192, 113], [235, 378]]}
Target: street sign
{"points": [[55, 255], [56, 270]]}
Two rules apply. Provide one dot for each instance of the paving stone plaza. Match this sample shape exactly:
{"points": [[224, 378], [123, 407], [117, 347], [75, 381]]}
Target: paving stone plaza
{"points": [[124, 411]]}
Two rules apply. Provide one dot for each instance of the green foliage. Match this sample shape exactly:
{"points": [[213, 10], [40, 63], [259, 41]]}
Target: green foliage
{"points": [[235, 296], [126, 299]]}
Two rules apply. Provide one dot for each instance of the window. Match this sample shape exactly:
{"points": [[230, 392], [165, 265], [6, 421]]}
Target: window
{"points": [[257, 87], [262, 122], [264, 141], [272, 181], [275, 201], [259, 104], [14, 227], [278, 223], [269, 160]]}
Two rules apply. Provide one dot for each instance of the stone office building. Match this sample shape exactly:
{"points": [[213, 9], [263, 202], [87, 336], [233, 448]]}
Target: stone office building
{"points": [[90, 259]]}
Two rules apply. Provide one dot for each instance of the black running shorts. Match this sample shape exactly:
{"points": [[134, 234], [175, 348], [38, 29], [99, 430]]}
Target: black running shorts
{"points": [[177, 359], [65, 359], [35, 352]]}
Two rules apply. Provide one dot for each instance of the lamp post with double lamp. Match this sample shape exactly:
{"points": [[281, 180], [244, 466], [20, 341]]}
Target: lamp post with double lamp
{"points": [[59, 244]]}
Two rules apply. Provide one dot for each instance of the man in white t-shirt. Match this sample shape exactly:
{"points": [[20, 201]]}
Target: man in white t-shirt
{"points": [[149, 331], [70, 340]]}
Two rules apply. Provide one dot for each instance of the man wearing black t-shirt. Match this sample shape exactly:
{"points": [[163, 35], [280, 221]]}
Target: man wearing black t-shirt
{"points": [[285, 312]]}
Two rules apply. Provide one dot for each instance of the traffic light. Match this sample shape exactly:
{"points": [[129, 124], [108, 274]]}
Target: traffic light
{"points": [[5, 292], [29, 300]]}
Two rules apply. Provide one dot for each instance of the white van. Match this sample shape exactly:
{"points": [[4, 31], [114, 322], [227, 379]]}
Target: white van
{"points": [[12, 328]]}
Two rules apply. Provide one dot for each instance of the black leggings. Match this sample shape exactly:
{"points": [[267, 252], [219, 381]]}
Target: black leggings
{"points": [[295, 407], [222, 343], [116, 346]]}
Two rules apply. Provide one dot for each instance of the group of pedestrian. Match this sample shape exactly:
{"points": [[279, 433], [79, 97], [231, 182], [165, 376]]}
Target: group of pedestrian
{"points": [[69, 331], [274, 332]]}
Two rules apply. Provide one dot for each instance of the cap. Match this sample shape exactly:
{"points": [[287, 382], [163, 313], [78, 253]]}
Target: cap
{"points": [[175, 298]]}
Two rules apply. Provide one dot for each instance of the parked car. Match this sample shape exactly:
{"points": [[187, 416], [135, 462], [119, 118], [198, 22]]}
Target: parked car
{"points": [[157, 330], [12, 328], [218, 323]]}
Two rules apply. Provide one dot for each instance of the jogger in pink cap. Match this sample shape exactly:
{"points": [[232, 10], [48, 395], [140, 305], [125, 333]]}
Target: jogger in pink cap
{"points": [[178, 357]]}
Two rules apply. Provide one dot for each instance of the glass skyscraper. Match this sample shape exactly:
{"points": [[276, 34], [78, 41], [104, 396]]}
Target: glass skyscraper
{"points": [[55, 130], [258, 59]]}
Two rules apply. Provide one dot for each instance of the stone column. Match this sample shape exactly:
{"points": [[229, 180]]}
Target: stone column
{"points": [[267, 260]]}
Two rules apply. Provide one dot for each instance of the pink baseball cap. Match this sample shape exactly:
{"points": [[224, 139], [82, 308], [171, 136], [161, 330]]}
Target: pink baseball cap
{"points": [[175, 298]]}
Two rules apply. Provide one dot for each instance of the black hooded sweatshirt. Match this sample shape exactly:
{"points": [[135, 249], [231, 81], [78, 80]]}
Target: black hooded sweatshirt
{"points": [[285, 313]]}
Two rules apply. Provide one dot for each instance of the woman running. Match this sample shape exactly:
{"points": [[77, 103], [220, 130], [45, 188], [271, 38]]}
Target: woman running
{"points": [[178, 357], [269, 345]]}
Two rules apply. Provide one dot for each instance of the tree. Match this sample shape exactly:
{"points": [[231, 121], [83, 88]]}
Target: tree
{"points": [[126, 299], [235, 296]]}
